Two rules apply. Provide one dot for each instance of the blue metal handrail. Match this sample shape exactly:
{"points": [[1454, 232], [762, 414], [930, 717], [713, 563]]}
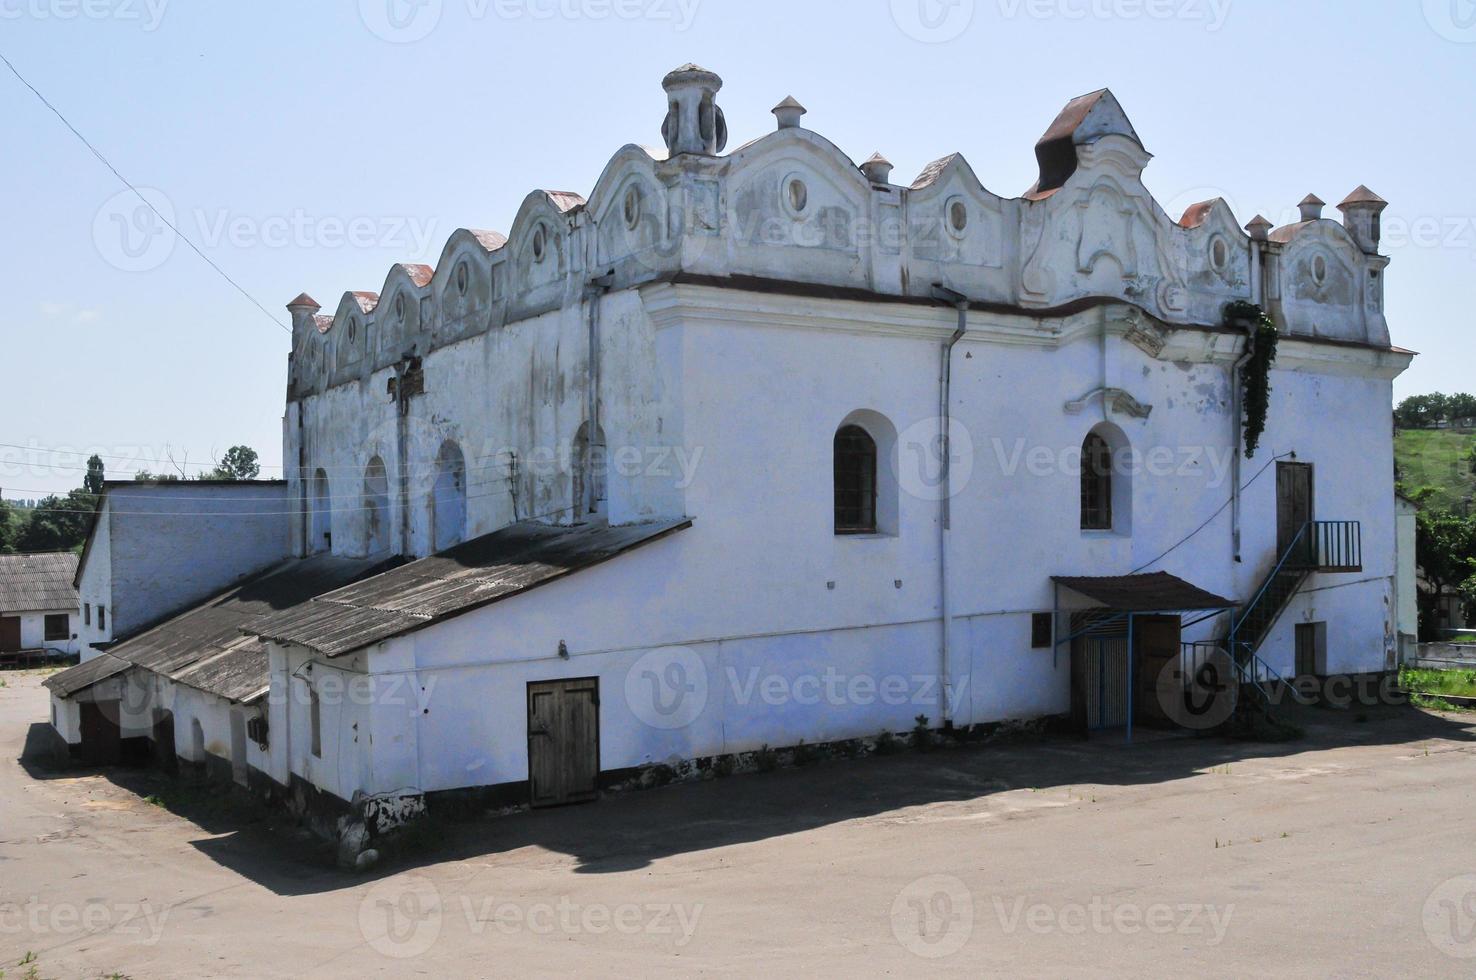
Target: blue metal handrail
{"points": [[1239, 621], [1252, 669]]}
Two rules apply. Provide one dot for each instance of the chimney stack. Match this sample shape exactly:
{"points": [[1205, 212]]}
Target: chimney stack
{"points": [[789, 112], [878, 169], [1311, 207]]}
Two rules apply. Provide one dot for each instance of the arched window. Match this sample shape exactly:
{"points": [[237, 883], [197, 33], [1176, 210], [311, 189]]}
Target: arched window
{"points": [[589, 473], [320, 530], [1096, 484], [448, 497], [855, 481], [376, 508]]}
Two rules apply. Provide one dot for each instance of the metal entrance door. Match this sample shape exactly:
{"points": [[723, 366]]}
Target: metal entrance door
{"points": [[563, 741], [1106, 682]]}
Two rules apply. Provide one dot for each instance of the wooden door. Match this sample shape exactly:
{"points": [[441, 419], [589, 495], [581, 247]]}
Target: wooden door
{"points": [[1293, 503], [1306, 650], [10, 634], [101, 740], [563, 741], [1157, 642]]}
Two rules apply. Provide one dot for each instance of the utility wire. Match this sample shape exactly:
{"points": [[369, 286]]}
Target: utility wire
{"points": [[1185, 540], [148, 204]]}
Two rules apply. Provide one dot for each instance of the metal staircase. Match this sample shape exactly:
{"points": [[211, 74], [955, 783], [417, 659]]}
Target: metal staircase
{"points": [[1319, 546]]}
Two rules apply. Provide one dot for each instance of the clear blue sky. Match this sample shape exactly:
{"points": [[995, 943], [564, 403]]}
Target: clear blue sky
{"points": [[277, 129]]}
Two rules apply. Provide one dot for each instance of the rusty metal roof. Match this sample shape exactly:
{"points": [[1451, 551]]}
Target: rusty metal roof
{"points": [[566, 200], [1196, 214], [38, 583], [490, 240], [204, 647], [1157, 592], [471, 575]]}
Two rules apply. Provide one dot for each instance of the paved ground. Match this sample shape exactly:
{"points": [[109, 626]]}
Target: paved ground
{"points": [[1338, 855]]}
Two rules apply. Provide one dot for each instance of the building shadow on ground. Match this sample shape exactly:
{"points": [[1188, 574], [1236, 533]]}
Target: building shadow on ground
{"points": [[626, 831]]}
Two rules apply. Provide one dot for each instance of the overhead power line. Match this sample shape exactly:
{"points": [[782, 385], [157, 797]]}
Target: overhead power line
{"points": [[146, 202]]}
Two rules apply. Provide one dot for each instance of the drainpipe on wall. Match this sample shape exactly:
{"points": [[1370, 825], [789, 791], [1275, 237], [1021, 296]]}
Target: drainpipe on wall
{"points": [[1237, 408], [594, 292], [402, 440], [945, 504], [305, 535]]}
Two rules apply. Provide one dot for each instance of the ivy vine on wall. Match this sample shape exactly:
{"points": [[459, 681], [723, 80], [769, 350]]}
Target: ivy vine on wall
{"points": [[1255, 375]]}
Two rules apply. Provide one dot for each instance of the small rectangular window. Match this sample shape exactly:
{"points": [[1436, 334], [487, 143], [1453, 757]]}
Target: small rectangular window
{"points": [[102, 617], [315, 713], [86, 614], [1041, 630], [59, 627]]}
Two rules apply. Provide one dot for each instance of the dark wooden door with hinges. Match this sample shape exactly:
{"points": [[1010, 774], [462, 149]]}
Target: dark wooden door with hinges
{"points": [[101, 740], [563, 741], [1293, 503]]}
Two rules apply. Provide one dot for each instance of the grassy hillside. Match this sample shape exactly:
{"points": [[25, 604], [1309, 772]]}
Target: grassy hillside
{"points": [[1437, 458]]}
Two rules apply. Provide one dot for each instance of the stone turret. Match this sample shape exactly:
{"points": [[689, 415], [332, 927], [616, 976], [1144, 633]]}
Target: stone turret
{"points": [[877, 168], [302, 309], [694, 123], [1361, 217], [1311, 207]]}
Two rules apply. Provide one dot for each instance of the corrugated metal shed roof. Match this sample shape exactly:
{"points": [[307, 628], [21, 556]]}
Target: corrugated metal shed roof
{"points": [[476, 573], [36, 583], [1158, 592], [204, 647]]}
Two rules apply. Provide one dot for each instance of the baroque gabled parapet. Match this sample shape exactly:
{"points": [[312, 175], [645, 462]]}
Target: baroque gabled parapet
{"points": [[791, 205]]}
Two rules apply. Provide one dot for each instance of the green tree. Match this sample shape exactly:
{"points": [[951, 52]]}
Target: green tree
{"points": [[238, 463], [57, 523], [93, 481], [1445, 547], [8, 525]]}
